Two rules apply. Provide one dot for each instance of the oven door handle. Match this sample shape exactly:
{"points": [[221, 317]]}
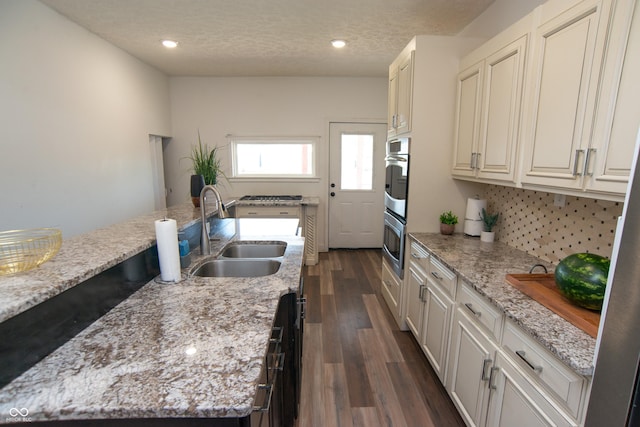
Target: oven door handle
{"points": [[396, 159]]}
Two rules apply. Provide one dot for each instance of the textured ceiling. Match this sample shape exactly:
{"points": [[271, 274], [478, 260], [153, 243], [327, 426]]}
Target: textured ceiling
{"points": [[268, 37]]}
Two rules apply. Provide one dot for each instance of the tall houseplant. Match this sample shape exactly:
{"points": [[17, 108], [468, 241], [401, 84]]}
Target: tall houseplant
{"points": [[206, 168]]}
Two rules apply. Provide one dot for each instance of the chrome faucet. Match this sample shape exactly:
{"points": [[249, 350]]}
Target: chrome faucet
{"points": [[205, 247]]}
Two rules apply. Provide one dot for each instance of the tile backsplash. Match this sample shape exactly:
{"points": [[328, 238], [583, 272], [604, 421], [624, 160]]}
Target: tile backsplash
{"points": [[529, 221]]}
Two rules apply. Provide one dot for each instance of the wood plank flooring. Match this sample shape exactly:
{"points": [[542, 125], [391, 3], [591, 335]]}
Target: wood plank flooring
{"points": [[359, 369]]}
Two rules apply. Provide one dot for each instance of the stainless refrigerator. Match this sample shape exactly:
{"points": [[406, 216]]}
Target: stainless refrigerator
{"points": [[615, 395]]}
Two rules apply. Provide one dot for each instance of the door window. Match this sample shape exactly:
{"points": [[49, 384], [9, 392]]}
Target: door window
{"points": [[357, 162]]}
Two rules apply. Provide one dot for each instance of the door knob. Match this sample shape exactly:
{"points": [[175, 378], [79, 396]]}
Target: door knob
{"points": [[333, 185], [333, 194]]}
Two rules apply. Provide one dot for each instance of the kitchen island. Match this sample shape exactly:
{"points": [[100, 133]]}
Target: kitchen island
{"points": [[193, 349]]}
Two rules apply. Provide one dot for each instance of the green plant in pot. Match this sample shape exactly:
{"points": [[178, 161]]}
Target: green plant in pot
{"points": [[206, 168], [448, 222], [488, 222]]}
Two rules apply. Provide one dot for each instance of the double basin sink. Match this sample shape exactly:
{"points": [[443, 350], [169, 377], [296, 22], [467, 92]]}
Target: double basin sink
{"points": [[244, 259]]}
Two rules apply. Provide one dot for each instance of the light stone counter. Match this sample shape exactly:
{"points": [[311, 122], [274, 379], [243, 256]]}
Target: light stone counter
{"points": [[191, 349], [484, 266], [85, 256]]}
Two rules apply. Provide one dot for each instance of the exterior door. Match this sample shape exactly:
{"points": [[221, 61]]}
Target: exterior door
{"points": [[356, 170]]}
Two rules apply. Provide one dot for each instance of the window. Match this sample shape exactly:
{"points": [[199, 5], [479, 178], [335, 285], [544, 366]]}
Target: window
{"points": [[357, 162], [274, 157]]}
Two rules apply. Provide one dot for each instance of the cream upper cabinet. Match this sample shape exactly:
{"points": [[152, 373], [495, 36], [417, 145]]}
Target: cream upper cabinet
{"points": [[467, 120], [573, 52], [489, 102], [618, 109], [400, 95]]}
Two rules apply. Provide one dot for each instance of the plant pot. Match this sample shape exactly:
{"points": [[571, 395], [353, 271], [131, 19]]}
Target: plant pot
{"points": [[197, 184], [487, 236], [447, 229]]}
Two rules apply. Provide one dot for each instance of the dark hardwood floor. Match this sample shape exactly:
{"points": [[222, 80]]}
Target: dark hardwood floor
{"points": [[359, 369]]}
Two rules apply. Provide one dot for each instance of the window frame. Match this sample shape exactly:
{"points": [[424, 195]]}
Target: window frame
{"points": [[278, 140]]}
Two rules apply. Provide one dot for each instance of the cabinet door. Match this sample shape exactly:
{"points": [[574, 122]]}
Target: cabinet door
{"points": [[467, 120], [415, 288], [435, 328], [405, 92], [471, 358], [391, 290], [502, 102], [392, 101], [566, 65], [618, 112], [516, 402]]}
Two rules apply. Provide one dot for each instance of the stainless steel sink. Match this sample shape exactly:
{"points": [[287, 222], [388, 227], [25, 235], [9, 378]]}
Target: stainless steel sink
{"points": [[237, 268], [254, 250]]}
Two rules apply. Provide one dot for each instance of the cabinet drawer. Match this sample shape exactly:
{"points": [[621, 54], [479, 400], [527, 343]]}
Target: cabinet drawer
{"points": [[443, 277], [543, 367], [476, 306], [419, 256], [390, 286], [267, 212]]}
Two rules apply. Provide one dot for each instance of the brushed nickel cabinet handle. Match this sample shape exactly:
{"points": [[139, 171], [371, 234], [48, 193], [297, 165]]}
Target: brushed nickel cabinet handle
{"points": [[492, 375], [436, 275], [575, 163], [485, 365], [587, 161], [471, 309], [521, 354]]}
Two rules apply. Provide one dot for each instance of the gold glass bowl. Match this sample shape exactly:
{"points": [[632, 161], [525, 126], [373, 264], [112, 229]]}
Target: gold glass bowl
{"points": [[22, 250]]}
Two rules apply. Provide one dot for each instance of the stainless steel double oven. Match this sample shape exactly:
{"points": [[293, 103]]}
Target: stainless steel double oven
{"points": [[395, 202]]}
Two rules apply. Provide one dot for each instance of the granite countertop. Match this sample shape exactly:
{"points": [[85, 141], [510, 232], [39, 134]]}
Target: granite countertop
{"points": [[86, 255], [484, 266], [188, 349]]}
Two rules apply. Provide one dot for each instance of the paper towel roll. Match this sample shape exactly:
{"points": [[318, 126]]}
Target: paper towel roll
{"points": [[474, 207], [168, 253]]}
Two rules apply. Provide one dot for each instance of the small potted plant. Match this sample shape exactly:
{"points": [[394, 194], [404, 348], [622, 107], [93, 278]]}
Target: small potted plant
{"points": [[206, 169], [488, 222], [448, 222]]}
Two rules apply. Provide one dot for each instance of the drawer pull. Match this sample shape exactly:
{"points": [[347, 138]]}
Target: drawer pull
{"points": [[485, 365], [276, 335], [415, 256], [436, 275], [521, 354], [303, 307], [470, 308], [492, 375]]}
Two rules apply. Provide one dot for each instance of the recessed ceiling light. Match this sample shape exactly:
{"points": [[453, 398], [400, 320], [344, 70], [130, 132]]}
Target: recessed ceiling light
{"points": [[338, 43], [169, 43]]}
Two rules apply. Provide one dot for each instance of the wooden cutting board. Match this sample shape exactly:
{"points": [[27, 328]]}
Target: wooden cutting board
{"points": [[542, 288]]}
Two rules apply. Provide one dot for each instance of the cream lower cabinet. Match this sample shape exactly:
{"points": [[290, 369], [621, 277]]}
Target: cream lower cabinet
{"points": [[515, 401], [391, 288], [430, 306], [268, 212], [497, 376], [471, 358]]}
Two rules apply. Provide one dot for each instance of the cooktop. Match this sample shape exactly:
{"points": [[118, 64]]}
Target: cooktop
{"points": [[271, 198]]}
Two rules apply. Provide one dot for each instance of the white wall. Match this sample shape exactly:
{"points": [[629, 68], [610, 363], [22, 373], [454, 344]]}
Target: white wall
{"points": [[245, 106], [75, 115], [498, 17]]}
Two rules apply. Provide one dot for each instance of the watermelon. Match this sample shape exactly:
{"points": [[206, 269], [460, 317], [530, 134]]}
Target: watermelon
{"points": [[582, 279]]}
